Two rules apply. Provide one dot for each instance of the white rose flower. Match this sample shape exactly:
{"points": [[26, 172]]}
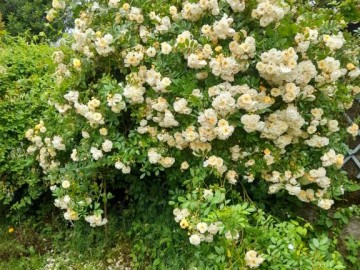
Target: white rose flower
{"points": [[65, 184], [114, 3], [85, 134], [119, 165], [43, 129], [166, 48], [151, 52], [202, 227], [126, 169], [253, 260], [184, 166], [208, 194], [96, 153], [73, 155], [213, 228], [195, 239], [107, 145], [325, 203], [66, 199], [58, 4]]}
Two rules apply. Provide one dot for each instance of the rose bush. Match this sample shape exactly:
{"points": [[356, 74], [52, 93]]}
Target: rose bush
{"points": [[221, 98]]}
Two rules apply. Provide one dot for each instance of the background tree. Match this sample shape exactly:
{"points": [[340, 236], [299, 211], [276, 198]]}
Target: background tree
{"points": [[28, 16], [349, 8]]}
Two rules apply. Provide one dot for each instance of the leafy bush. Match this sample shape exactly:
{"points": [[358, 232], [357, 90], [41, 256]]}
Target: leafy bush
{"points": [[25, 75], [226, 102], [26, 18]]}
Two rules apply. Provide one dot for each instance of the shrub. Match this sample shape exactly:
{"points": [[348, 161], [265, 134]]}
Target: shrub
{"points": [[26, 18], [222, 100], [25, 75]]}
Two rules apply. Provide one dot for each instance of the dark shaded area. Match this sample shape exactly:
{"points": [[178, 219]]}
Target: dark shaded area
{"points": [[354, 111], [350, 166], [351, 27], [353, 142]]}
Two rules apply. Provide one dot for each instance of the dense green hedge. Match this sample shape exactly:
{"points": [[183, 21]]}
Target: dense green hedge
{"points": [[25, 79]]}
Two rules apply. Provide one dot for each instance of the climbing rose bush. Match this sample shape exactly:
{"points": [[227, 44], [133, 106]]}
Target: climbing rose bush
{"points": [[216, 96]]}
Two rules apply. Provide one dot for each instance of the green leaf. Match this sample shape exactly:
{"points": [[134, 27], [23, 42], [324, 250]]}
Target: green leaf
{"points": [[328, 223], [301, 231], [156, 262], [182, 199], [316, 242]]}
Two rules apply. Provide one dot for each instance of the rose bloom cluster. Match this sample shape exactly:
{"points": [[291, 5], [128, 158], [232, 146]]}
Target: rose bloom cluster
{"points": [[187, 92], [47, 147], [252, 259], [198, 230], [201, 232]]}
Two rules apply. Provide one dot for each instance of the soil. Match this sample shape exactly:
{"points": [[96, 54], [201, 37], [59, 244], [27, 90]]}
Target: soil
{"points": [[352, 169]]}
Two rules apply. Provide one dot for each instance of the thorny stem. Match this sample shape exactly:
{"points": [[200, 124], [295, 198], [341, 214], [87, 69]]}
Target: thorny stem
{"points": [[246, 195]]}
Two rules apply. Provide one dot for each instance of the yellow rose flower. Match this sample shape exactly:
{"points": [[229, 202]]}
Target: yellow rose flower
{"points": [[350, 66], [218, 48], [126, 6], [76, 63], [184, 223], [339, 160], [326, 38]]}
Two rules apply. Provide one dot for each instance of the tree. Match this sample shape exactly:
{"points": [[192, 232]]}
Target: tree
{"points": [[21, 16], [348, 8]]}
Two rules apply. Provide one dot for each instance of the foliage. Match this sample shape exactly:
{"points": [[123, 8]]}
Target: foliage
{"points": [[24, 17], [25, 75], [202, 112], [157, 243], [37, 242], [224, 101], [334, 225], [349, 8], [353, 247], [218, 117]]}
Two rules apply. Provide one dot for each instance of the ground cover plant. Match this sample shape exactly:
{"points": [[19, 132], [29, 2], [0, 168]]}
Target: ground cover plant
{"points": [[199, 128]]}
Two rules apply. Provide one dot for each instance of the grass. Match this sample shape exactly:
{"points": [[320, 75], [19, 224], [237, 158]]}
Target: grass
{"points": [[38, 244]]}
